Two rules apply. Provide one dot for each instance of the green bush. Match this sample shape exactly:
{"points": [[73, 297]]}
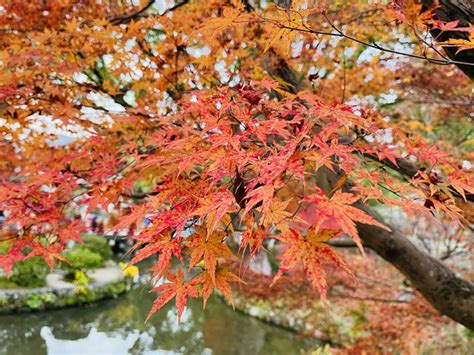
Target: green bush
{"points": [[30, 272], [34, 301], [80, 278], [81, 258], [97, 244], [27, 273]]}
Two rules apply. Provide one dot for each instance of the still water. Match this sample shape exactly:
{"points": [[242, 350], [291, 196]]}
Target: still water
{"points": [[118, 327]]}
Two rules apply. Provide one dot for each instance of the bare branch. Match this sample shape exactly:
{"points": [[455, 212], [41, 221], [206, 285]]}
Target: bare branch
{"points": [[140, 13], [339, 33]]}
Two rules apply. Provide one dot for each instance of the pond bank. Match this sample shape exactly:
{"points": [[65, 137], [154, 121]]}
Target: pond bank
{"points": [[106, 282], [353, 319], [314, 320]]}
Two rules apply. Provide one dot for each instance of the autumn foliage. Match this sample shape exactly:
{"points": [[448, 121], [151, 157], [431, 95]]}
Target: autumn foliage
{"points": [[248, 123]]}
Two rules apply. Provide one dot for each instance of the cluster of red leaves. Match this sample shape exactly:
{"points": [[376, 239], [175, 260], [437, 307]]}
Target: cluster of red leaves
{"points": [[234, 152], [248, 156]]}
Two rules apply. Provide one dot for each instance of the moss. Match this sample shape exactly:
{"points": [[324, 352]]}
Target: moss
{"points": [[33, 301], [80, 278], [279, 304], [69, 300], [81, 258], [323, 350], [358, 318], [99, 245], [81, 291], [116, 289], [469, 333], [263, 305], [30, 272], [49, 297], [337, 327], [7, 284]]}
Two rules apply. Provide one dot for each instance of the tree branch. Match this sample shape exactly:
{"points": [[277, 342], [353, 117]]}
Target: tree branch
{"points": [[344, 242], [247, 6], [454, 10], [410, 170], [132, 16], [447, 291], [443, 61], [339, 33], [140, 13]]}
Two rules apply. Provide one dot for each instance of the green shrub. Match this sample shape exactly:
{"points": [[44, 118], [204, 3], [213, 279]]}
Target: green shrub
{"points": [[30, 272], [34, 301], [80, 278], [97, 244], [27, 273], [81, 258]]}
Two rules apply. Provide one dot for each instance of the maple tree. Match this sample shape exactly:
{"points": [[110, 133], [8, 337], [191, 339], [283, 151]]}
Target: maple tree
{"points": [[248, 121]]}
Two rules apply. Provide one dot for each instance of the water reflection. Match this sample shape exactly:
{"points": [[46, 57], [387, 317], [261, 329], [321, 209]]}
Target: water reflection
{"points": [[118, 327], [94, 342]]}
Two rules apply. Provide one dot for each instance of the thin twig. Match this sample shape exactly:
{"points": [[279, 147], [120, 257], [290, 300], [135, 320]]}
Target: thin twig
{"points": [[374, 45], [140, 13], [343, 78], [128, 18]]}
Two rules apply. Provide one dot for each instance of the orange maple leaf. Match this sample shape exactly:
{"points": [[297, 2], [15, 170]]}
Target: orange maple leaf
{"points": [[215, 207], [311, 252], [222, 278], [176, 288], [339, 209], [208, 249], [165, 246]]}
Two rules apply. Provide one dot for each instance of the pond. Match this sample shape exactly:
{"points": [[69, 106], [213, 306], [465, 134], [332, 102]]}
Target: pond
{"points": [[118, 327]]}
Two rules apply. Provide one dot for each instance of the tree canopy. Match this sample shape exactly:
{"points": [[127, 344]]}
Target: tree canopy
{"points": [[246, 121]]}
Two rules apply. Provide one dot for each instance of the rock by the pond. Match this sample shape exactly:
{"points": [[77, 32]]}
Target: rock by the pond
{"points": [[104, 276], [55, 280]]}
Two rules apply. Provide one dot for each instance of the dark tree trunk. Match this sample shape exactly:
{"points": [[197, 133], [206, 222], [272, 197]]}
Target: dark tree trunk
{"points": [[447, 291], [453, 10]]}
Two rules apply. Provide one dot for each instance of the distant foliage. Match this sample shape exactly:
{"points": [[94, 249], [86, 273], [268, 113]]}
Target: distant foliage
{"points": [[97, 244]]}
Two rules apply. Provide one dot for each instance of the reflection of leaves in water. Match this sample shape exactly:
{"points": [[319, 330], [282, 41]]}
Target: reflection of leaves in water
{"points": [[217, 328]]}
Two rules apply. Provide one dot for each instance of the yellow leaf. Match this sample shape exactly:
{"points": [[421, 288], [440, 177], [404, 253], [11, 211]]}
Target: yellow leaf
{"points": [[275, 36]]}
